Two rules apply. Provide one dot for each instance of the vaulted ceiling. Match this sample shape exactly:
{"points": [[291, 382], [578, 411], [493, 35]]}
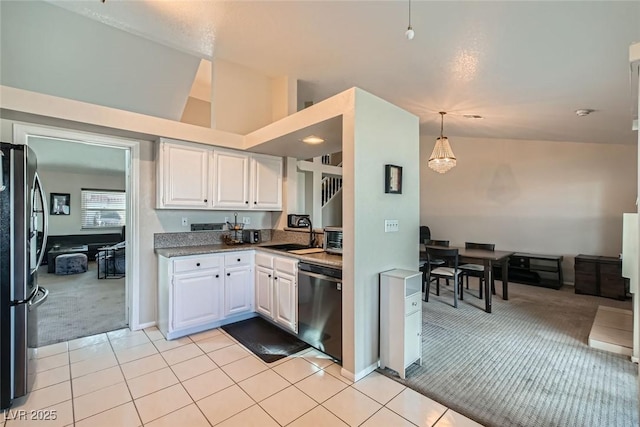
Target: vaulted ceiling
{"points": [[524, 66]]}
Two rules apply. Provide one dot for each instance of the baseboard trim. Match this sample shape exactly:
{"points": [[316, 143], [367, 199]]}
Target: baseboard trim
{"points": [[360, 375], [142, 326]]}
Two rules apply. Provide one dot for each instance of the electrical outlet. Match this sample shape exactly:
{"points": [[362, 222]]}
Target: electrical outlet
{"points": [[246, 220], [226, 219], [185, 221], [391, 226]]}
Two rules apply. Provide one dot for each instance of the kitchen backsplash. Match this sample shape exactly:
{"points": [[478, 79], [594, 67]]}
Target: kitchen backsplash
{"points": [[195, 238], [202, 238]]}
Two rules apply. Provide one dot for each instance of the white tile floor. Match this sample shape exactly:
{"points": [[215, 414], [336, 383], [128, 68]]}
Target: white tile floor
{"points": [[126, 378]]}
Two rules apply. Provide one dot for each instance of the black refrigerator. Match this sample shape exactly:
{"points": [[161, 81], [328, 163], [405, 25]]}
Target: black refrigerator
{"points": [[23, 237]]}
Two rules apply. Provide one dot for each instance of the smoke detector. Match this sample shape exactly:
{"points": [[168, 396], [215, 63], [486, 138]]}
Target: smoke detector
{"points": [[584, 112]]}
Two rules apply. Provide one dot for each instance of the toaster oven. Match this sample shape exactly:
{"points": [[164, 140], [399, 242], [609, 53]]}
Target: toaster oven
{"points": [[333, 240]]}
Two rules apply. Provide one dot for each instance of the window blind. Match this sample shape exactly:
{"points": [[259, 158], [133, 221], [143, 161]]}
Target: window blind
{"points": [[103, 208]]}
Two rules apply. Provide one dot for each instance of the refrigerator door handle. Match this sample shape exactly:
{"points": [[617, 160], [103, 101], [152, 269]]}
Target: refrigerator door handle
{"points": [[45, 209], [35, 302], [2, 186]]}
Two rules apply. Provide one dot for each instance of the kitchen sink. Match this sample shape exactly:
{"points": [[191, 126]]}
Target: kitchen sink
{"points": [[286, 246]]}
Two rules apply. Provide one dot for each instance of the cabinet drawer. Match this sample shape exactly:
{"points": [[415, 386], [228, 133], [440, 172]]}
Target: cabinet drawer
{"points": [[237, 259], [412, 303], [195, 263], [585, 267], [286, 265], [264, 260]]}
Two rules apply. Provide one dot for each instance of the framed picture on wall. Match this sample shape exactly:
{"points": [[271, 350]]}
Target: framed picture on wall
{"points": [[60, 204], [393, 179]]}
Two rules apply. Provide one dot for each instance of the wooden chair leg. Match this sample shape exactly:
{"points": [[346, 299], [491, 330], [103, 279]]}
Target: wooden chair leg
{"points": [[481, 281], [460, 285], [493, 287], [467, 279], [438, 286]]}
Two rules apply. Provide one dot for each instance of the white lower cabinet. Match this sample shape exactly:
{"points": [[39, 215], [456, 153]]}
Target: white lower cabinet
{"points": [[238, 283], [201, 292], [400, 319], [277, 289], [196, 298]]}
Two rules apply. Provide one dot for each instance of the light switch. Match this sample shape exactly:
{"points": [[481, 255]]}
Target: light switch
{"points": [[246, 220], [391, 226], [185, 221]]}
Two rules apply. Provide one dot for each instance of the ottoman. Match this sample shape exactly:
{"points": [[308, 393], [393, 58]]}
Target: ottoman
{"points": [[71, 264]]}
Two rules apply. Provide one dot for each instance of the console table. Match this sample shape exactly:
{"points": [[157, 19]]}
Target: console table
{"points": [[536, 269], [56, 252]]}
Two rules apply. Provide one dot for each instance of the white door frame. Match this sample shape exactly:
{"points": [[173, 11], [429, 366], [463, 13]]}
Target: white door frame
{"points": [[21, 133]]}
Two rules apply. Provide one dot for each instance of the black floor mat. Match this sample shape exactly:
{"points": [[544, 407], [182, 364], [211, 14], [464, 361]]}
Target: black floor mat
{"points": [[267, 341]]}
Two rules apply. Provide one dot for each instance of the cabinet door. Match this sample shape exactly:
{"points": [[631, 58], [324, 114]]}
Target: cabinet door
{"points": [[266, 179], [238, 291], [412, 338], [264, 291], [231, 180], [197, 298], [184, 176], [286, 304]]}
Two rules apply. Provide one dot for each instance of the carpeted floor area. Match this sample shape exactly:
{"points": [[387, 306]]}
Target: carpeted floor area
{"points": [[79, 305], [525, 364]]}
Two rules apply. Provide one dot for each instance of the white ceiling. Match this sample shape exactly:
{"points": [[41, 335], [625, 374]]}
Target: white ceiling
{"points": [[524, 66]]}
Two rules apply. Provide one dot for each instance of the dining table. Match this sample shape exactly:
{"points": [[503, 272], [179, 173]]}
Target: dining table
{"points": [[488, 259]]}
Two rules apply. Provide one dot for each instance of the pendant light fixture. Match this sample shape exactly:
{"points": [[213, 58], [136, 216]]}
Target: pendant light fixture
{"points": [[442, 158], [409, 34]]}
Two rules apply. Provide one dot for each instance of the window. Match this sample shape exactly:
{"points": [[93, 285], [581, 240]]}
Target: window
{"points": [[103, 208]]}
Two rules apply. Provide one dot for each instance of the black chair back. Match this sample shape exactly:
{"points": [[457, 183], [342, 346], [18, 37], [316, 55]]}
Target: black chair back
{"points": [[483, 246], [425, 234], [450, 255], [443, 243]]}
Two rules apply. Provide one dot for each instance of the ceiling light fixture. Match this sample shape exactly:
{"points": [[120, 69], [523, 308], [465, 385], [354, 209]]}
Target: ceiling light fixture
{"points": [[473, 116], [312, 139], [409, 34], [442, 158]]}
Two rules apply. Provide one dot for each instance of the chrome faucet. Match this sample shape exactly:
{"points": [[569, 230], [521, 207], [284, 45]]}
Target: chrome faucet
{"points": [[306, 222]]}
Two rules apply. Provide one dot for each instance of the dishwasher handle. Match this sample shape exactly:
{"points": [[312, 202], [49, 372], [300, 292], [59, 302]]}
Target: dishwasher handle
{"points": [[319, 276]]}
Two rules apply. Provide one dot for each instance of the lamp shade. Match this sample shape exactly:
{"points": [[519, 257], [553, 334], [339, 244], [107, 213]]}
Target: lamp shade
{"points": [[442, 158]]}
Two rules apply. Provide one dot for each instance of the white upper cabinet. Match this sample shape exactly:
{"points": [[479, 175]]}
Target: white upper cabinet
{"points": [[266, 180], [193, 176], [183, 176], [231, 179]]}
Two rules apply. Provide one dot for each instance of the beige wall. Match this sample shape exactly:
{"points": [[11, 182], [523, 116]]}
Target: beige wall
{"points": [[69, 182], [241, 98], [546, 197]]}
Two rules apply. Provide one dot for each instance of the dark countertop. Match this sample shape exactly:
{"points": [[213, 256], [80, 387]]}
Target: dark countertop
{"points": [[317, 258]]}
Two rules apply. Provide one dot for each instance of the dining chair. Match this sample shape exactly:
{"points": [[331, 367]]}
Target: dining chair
{"points": [[477, 270], [448, 271], [425, 265]]}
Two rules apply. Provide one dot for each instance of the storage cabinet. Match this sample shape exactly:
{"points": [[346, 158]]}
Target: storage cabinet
{"points": [[182, 176], [238, 283], [277, 289], [192, 176], [231, 183], [599, 275], [400, 319], [264, 285], [204, 291], [266, 182], [196, 298]]}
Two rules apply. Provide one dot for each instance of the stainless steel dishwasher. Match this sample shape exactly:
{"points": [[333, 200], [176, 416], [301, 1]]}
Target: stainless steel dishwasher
{"points": [[320, 308]]}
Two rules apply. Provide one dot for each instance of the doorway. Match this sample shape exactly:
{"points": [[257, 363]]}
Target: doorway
{"points": [[91, 176]]}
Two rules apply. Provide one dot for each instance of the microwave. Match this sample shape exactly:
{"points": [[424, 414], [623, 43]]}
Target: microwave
{"points": [[333, 240]]}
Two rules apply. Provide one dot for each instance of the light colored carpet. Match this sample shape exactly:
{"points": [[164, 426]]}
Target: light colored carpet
{"points": [[525, 364], [79, 305]]}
